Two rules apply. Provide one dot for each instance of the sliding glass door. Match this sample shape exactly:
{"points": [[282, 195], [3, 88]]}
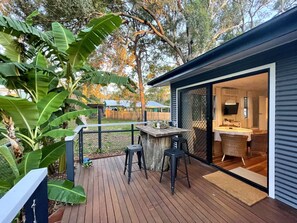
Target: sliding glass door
{"points": [[194, 114]]}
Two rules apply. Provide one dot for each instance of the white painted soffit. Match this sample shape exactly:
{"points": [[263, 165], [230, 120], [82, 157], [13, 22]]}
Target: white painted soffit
{"points": [[228, 59]]}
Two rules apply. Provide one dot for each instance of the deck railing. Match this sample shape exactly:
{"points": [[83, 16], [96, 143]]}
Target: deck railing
{"points": [[79, 132], [31, 193]]}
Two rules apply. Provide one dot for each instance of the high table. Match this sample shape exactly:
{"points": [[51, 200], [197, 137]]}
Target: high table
{"points": [[154, 142]]}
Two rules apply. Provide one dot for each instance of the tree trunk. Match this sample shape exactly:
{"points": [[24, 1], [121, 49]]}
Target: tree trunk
{"points": [[137, 54]]}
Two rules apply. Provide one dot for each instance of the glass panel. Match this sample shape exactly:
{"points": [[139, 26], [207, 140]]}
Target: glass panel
{"points": [[193, 117]]}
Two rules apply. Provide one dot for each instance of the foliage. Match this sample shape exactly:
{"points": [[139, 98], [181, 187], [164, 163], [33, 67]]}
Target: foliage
{"points": [[58, 190], [49, 69]]}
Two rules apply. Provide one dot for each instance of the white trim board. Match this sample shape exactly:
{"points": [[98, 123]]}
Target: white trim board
{"points": [[272, 72]]}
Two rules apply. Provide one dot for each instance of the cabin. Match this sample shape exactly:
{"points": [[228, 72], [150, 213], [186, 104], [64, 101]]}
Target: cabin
{"points": [[240, 102]]}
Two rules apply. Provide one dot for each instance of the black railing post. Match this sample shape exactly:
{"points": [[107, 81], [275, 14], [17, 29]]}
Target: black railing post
{"points": [[132, 133], [145, 117], [70, 160], [36, 208], [99, 131], [81, 146]]}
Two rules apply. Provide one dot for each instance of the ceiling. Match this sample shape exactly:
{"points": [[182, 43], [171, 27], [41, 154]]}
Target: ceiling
{"points": [[255, 83]]}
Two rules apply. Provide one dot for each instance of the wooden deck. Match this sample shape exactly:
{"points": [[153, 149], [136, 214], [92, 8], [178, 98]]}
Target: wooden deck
{"points": [[111, 199]]}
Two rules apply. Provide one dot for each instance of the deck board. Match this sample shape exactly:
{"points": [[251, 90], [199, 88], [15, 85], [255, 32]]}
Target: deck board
{"points": [[112, 199]]}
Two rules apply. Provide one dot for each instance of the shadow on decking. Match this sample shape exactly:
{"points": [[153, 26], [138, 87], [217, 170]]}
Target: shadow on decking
{"points": [[111, 199]]}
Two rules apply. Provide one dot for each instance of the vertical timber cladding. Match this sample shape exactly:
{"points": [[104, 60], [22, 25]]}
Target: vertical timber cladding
{"points": [[286, 131], [173, 105]]}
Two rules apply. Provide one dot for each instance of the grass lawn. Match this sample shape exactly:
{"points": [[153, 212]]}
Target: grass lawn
{"points": [[112, 143]]}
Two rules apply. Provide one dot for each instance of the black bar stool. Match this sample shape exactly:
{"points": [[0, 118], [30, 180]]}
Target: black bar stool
{"points": [[131, 149], [180, 142], [175, 153]]}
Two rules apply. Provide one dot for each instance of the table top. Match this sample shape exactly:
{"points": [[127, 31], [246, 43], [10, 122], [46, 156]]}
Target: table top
{"points": [[232, 131], [161, 132]]}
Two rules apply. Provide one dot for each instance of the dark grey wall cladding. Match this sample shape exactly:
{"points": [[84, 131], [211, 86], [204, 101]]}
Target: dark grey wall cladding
{"points": [[286, 112], [286, 131], [173, 103]]}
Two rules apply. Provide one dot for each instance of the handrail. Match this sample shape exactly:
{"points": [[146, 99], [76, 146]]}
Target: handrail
{"points": [[80, 127], [17, 197]]}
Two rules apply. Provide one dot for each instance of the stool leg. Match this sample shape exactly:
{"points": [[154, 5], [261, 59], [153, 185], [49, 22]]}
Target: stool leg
{"points": [[162, 168], [188, 152], [144, 165], [172, 173], [187, 175], [139, 158], [130, 165], [126, 151]]}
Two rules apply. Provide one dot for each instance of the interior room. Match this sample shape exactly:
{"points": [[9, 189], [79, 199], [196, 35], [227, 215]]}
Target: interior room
{"points": [[240, 132]]}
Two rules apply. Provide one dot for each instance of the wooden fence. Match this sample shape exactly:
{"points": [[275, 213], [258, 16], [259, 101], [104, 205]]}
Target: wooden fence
{"points": [[136, 116]]}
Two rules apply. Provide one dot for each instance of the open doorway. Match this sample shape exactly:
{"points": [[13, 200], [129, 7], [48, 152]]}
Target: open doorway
{"points": [[240, 127]]}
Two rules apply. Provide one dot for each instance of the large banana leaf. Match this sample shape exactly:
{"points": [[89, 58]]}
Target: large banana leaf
{"points": [[64, 191], [62, 36], [72, 115], [24, 113], [10, 47], [8, 166], [49, 104], [88, 39], [30, 161], [59, 133], [34, 36], [8, 70], [76, 102], [38, 82], [104, 78], [17, 28], [51, 153], [4, 187]]}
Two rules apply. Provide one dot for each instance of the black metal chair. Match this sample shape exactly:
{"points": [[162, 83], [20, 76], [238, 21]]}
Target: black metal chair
{"points": [[175, 153], [131, 149]]}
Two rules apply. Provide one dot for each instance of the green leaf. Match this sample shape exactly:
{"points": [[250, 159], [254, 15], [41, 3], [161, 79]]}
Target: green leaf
{"points": [[39, 83], [40, 61], [59, 133], [72, 115], [49, 104], [64, 191], [8, 70], [30, 17], [62, 36], [24, 113], [8, 166], [51, 153], [88, 39], [30, 161], [10, 47], [76, 102], [4, 187]]}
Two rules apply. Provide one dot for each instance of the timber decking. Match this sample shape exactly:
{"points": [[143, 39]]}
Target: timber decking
{"points": [[111, 199]]}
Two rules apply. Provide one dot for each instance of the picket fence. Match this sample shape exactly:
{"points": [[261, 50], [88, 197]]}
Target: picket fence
{"points": [[136, 116]]}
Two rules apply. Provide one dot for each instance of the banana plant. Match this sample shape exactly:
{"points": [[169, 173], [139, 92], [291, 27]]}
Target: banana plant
{"points": [[11, 172]]}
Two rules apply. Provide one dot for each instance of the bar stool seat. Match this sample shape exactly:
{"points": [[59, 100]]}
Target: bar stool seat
{"points": [[174, 154], [131, 149]]}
